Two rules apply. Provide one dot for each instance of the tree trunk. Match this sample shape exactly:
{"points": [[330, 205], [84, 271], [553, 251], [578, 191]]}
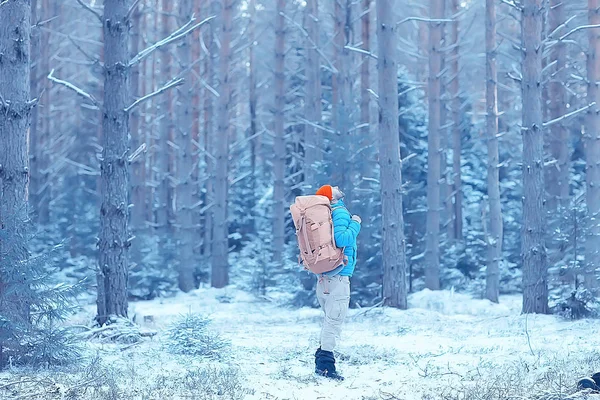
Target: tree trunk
{"points": [[313, 140], [114, 236], [279, 140], [15, 109], [39, 186], [447, 209], [432, 253], [592, 153], [558, 174], [393, 241], [252, 106], [456, 126], [209, 131], [138, 166], [185, 166], [163, 160], [220, 264], [15, 112], [535, 274], [365, 96], [494, 239]]}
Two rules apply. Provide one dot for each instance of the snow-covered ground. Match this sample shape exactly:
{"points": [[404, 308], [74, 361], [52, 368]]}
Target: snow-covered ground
{"points": [[446, 346]]}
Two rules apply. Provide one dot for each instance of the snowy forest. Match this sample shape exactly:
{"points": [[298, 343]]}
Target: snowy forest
{"points": [[150, 151]]}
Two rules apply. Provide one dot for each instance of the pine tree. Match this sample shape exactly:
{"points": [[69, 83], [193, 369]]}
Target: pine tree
{"points": [[114, 240], [393, 241], [535, 274], [494, 239]]}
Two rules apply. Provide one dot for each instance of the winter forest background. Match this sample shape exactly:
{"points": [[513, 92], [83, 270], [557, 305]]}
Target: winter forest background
{"points": [[150, 149]]}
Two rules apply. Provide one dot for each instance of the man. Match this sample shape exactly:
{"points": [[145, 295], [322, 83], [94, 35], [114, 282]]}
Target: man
{"points": [[333, 288]]}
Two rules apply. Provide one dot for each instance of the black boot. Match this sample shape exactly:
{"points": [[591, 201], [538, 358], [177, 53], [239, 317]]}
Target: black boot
{"points": [[317, 354], [325, 365], [588, 383]]}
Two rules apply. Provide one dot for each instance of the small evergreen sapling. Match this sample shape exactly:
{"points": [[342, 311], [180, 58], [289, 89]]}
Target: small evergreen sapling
{"points": [[190, 335], [32, 306]]}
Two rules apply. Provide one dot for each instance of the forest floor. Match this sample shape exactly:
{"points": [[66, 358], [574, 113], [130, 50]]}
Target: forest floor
{"points": [[447, 346]]}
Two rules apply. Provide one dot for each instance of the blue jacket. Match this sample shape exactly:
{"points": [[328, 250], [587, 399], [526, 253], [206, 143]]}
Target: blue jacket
{"points": [[345, 232]]}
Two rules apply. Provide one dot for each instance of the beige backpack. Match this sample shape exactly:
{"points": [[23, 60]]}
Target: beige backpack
{"points": [[314, 231]]}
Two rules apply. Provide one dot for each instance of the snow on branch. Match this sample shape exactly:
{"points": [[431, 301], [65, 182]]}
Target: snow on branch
{"points": [[3, 3], [575, 30], [512, 4], [90, 9], [169, 85], [77, 90], [569, 115], [561, 26], [421, 19], [178, 34], [361, 51]]}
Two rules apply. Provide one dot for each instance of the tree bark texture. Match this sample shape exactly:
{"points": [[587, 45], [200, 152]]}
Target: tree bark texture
{"points": [[533, 252], [279, 140], [114, 241], [220, 264], [432, 253], [592, 153], [393, 240], [184, 161], [313, 137], [494, 239], [15, 118], [455, 106]]}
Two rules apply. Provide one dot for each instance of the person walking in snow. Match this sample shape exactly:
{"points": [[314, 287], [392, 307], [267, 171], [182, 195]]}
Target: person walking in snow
{"points": [[333, 288]]}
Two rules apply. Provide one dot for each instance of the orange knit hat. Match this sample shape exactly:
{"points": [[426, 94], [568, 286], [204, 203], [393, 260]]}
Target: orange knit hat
{"points": [[326, 190]]}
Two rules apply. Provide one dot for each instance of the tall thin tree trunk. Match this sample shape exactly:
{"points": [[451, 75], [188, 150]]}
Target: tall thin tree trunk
{"points": [[535, 274], [252, 134], [365, 96], [557, 182], [456, 125], [163, 160], [432, 253], [279, 140], [210, 132], [313, 109], [114, 236], [15, 109], [36, 78], [185, 165], [494, 239], [38, 134], [592, 153], [447, 209], [15, 117], [220, 264], [138, 166], [393, 240]]}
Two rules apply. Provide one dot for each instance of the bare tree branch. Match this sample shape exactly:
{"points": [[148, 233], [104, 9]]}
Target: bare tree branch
{"points": [[178, 34], [512, 4], [132, 9], [77, 90], [579, 28], [361, 51], [90, 9], [169, 85], [425, 20], [85, 53], [569, 115]]}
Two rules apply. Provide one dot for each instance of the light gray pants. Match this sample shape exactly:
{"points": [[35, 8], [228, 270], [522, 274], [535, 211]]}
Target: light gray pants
{"points": [[333, 294]]}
